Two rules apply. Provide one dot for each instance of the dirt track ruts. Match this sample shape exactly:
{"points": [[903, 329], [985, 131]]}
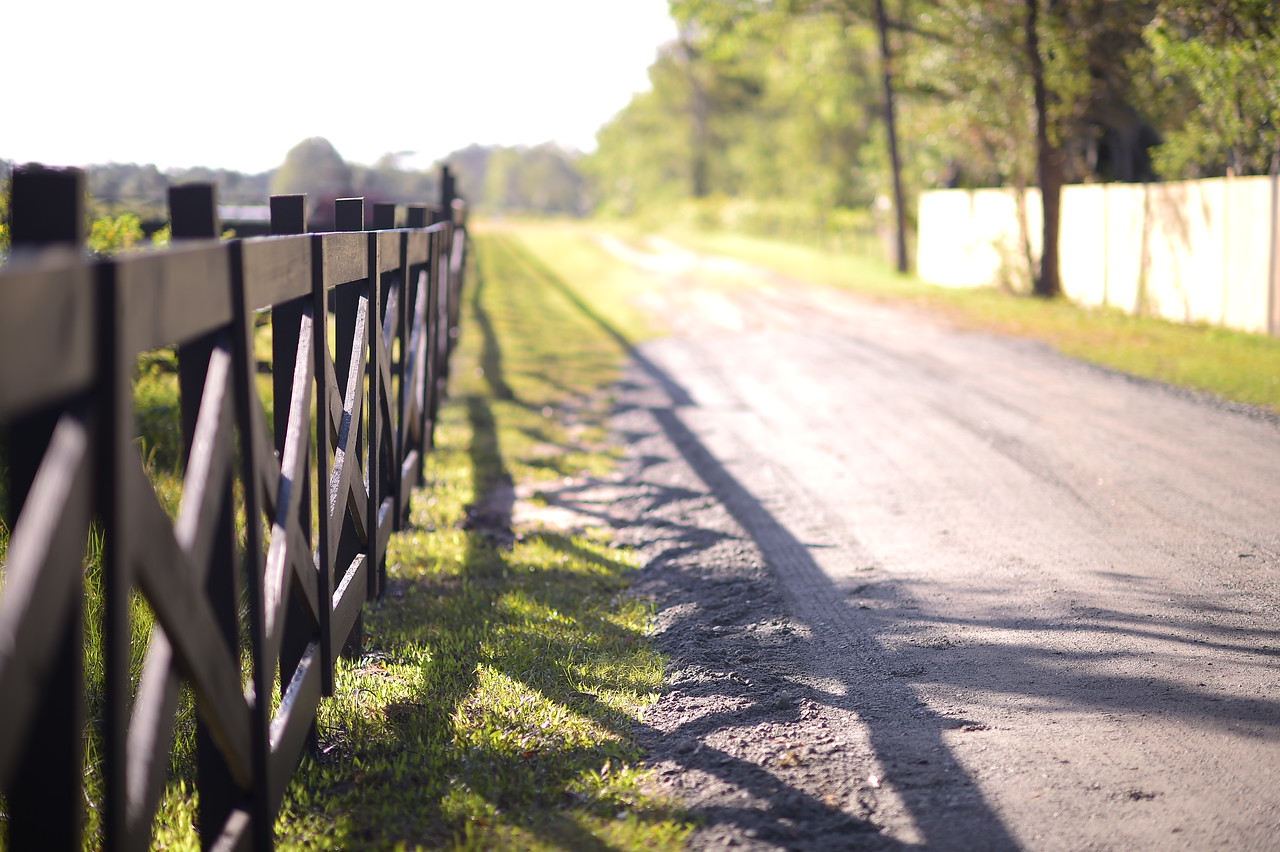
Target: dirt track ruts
{"points": [[930, 588]]}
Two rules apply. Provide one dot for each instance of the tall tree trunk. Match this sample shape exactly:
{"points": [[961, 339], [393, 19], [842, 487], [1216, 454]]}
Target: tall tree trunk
{"points": [[1048, 164], [699, 117], [699, 166], [891, 129]]}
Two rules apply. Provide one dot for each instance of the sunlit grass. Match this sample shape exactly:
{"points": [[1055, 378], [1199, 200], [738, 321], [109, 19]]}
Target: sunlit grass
{"points": [[612, 288], [495, 702]]}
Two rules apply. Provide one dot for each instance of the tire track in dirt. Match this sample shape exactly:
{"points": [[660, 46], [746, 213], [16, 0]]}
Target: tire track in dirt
{"points": [[923, 587]]}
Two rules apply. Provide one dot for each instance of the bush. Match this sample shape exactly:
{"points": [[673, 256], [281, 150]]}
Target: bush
{"points": [[112, 234]]}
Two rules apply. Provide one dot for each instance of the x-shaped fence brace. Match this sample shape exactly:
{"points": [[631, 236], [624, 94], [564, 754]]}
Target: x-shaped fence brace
{"points": [[249, 615]]}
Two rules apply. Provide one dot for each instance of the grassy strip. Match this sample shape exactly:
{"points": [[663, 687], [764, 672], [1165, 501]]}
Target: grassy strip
{"points": [[1234, 365], [614, 290], [503, 676], [504, 672]]}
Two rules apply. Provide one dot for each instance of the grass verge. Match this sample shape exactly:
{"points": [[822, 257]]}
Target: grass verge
{"points": [[1233, 365], [504, 672]]}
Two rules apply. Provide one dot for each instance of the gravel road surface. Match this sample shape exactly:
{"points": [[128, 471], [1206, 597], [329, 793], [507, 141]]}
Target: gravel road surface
{"points": [[930, 588]]}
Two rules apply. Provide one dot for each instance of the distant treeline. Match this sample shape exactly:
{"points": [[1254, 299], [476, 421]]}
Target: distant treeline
{"points": [[539, 180]]}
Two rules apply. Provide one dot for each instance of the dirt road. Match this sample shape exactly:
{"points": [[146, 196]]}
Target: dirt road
{"points": [[929, 588]]}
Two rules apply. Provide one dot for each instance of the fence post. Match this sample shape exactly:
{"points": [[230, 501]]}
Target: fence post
{"points": [[193, 214], [416, 216], [193, 211], [384, 217], [289, 217], [444, 286], [349, 216], [46, 207], [46, 806], [448, 193], [419, 216]]}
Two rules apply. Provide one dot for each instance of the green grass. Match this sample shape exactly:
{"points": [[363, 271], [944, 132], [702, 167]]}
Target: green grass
{"points": [[565, 250], [1233, 365], [495, 702]]}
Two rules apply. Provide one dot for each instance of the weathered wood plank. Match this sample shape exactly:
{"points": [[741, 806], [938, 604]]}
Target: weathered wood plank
{"points": [[276, 270], [348, 599], [292, 722], [345, 257], [388, 251], [42, 580], [46, 330], [174, 296]]}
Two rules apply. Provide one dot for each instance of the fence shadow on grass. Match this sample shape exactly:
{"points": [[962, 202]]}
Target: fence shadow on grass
{"points": [[495, 624], [901, 734]]}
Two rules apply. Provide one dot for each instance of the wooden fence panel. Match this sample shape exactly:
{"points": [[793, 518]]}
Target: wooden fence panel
{"points": [[51, 460], [371, 393]]}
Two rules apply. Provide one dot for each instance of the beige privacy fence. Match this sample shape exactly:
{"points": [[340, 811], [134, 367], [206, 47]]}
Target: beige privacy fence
{"points": [[1189, 251]]}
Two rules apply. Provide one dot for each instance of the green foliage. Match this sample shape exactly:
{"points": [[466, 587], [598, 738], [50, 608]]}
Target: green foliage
{"points": [[470, 167], [543, 179], [752, 103], [4, 210], [6, 178], [761, 102], [109, 235], [494, 705], [1224, 58], [125, 187], [536, 180]]}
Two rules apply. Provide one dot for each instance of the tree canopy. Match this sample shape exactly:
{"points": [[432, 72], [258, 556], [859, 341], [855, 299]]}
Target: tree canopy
{"points": [[781, 104], [1222, 61]]}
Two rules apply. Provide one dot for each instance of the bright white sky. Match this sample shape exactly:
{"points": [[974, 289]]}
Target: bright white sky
{"points": [[237, 83]]}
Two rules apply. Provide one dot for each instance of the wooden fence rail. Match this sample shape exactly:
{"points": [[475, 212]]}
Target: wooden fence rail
{"points": [[281, 532]]}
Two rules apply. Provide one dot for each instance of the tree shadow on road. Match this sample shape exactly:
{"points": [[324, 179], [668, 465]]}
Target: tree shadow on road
{"points": [[752, 683], [761, 650], [906, 739]]}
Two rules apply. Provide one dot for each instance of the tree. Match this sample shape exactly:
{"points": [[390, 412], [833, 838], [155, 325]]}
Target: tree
{"points": [[848, 14], [1041, 92], [389, 182], [1224, 55], [753, 103], [469, 166], [1047, 281], [647, 153], [542, 179], [110, 235], [891, 131], [833, 104], [314, 167], [805, 75]]}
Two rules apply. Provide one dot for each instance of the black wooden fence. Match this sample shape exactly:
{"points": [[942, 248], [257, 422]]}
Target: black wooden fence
{"points": [[241, 608]]}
